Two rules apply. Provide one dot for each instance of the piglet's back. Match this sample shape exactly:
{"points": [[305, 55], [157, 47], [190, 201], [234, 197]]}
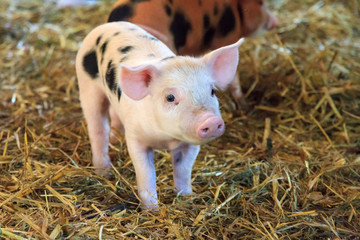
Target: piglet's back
{"points": [[118, 43]]}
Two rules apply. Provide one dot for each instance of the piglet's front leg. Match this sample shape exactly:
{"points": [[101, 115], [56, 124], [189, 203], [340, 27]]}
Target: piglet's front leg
{"points": [[183, 159], [142, 159]]}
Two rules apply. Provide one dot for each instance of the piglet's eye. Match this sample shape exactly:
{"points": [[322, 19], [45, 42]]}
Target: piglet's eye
{"points": [[212, 92], [170, 98]]}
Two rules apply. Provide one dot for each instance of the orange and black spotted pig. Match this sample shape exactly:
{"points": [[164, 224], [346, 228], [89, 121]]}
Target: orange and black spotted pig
{"points": [[193, 27]]}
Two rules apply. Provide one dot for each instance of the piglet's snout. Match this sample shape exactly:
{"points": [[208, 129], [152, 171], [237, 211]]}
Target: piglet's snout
{"points": [[211, 127]]}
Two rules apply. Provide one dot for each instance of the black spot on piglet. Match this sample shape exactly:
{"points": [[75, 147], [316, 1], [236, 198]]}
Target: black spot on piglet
{"points": [[110, 77], [150, 37], [125, 49], [90, 64], [167, 58], [177, 158], [118, 93], [153, 38], [98, 40], [123, 59], [103, 49]]}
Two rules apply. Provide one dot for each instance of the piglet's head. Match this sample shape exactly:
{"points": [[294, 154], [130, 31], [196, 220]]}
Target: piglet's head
{"points": [[181, 92]]}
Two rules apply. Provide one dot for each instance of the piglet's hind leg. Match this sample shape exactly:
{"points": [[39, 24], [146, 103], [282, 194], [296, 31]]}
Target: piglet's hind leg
{"points": [[116, 126], [95, 106]]}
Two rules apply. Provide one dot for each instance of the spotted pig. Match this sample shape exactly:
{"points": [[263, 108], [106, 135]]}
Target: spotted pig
{"points": [[192, 27], [161, 100]]}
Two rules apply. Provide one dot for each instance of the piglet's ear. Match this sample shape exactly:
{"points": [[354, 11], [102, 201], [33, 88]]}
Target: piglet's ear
{"points": [[135, 80], [223, 63]]}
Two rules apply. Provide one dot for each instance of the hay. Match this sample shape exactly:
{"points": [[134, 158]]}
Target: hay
{"points": [[289, 168]]}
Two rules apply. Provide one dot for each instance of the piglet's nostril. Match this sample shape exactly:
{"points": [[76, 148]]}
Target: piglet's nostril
{"points": [[205, 130], [220, 126]]}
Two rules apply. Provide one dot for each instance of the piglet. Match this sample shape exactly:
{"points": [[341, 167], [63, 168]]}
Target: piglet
{"points": [[162, 101]]}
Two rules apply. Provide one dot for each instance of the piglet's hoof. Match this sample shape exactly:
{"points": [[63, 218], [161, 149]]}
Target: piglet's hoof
{"points": [[104, 172], [150, 207], [149, 201], [184, 191]]}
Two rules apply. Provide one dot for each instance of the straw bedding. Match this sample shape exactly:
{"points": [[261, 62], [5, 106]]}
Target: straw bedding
{"points": [[288, 167]]}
